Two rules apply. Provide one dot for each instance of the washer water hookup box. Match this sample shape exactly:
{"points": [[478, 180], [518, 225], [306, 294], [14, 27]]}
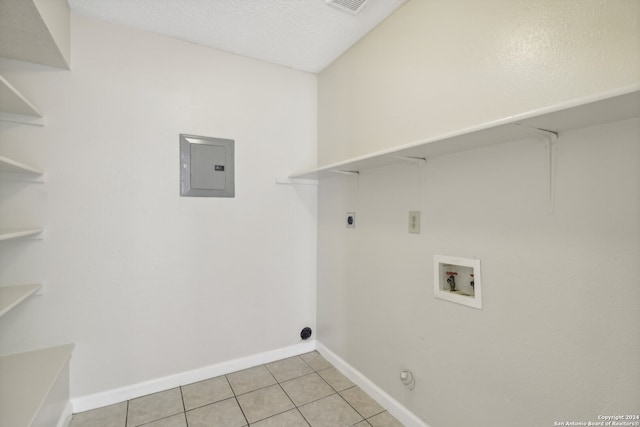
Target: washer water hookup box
{"points": [[458, 280]]}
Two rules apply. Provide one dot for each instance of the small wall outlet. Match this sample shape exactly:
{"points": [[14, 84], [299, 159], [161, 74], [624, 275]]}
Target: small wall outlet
{"points": [[414, 222], [351, 220]]}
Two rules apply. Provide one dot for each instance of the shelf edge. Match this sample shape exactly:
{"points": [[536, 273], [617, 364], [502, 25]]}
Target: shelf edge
{"points": [[23, 119], [7, 234], [18, 167], [26, 104], [27, 291], [509, 120]]}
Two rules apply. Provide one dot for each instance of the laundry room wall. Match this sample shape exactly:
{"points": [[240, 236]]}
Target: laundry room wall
{"points": [[556, 338], [146, 283]]}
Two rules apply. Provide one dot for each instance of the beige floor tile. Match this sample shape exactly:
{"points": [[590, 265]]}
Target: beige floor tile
{"points": [[264, 403], [250, 379], [290, 418], [178, 420], [205, 392], [107, 416], [362, 402], [330, 411], [154, 407], [336, 379], [315, 361], [307, 388], [384, 419], [290, 368], [324, 396], [225, 413]]}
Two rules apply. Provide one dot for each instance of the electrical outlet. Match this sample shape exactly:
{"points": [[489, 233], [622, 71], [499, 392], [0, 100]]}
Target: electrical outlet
{"points": [[414, 222], [351, 220]]}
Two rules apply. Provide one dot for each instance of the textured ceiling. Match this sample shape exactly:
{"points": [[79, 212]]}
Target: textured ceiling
{"points": [[302, 34]]}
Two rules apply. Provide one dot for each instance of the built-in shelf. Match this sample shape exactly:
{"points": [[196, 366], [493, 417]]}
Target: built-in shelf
{"points": [[598, 109], [14, 107], [36, 31], [34, 385], [12, 296], [17, 233], [13, 166]]}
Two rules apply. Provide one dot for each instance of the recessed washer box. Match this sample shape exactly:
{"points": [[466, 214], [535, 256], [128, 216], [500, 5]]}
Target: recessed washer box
{"points": [[458, 280], [206, 166]]}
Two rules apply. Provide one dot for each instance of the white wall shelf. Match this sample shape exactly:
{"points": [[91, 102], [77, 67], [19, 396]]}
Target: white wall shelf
{"points": [[36, 31], [34, 385], [14, 107], [593, 110], [8, 165], [12, 296], [17, 233]]}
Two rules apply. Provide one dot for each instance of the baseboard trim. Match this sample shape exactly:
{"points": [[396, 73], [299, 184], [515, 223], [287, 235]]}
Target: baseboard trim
{"points": [[395, 408], [97, 400]]}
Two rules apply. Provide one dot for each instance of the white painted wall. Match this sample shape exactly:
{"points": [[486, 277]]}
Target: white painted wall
{"points": [[556, 339], [147, 283], [437, 66]]}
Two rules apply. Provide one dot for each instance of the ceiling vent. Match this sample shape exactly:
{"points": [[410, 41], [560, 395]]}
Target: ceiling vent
{"points": [[353, 6]]}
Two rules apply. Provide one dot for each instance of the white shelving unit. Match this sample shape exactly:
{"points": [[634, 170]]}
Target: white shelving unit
{"points": [[35, 386], [12, 296], [554, 120]]}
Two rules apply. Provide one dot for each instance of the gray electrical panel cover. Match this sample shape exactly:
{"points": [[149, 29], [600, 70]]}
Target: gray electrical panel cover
{"points": [[206, 166]]}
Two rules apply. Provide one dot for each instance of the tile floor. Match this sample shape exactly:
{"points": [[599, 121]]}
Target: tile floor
{"points": [[300, 391]]}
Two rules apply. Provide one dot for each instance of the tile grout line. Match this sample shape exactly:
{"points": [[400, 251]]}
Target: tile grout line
{"points": [[235, 396], [296, 407], [358, 412], [184, 407], [241, 410], [315, 371], [273, 415], [337, 392]]}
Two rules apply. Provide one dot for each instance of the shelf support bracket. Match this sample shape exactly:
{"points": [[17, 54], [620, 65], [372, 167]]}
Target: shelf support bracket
{"points": [[295, 181], [22, 177], [351, 173], [550, 138], [22, 118], [420, 161]]}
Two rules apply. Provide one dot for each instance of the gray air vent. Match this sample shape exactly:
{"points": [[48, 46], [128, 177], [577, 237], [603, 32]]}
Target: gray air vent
{"points": [[353, 6]]}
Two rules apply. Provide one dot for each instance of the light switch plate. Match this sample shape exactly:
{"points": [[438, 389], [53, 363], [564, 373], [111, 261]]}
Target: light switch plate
{"points": [[414, 222], [206, 166]]}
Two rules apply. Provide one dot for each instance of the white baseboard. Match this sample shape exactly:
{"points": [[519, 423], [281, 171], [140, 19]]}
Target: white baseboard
{"points": [[395, 408], [85, 403]]}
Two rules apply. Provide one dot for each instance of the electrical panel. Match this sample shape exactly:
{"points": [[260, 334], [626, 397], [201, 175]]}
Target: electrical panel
{"points": [[206, 166]]}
